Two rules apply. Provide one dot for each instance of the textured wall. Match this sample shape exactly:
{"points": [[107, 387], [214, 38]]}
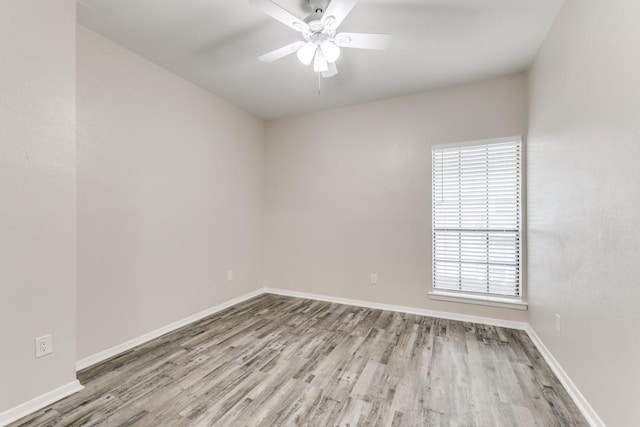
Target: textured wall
{"points": [[349, 191], [37, 193], [170, 197], [584, 235]]}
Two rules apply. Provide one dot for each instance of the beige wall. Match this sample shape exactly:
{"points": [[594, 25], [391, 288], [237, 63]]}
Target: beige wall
{"points": [[584, 200], [349, 191], [170, 197], [37, 189]]}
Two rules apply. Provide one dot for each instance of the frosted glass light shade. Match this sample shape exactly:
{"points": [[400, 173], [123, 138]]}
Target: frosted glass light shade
{"points": [[330, 50], [306, 52], [320, 64]]}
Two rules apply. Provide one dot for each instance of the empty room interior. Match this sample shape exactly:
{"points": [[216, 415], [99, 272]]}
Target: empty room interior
{"points": [[319, 213]]}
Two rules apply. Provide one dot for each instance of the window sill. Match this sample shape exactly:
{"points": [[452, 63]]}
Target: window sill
{"points": [[479, 300]]}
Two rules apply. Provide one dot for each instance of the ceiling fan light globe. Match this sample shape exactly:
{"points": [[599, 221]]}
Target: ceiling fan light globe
{"points": [[330, 51], [306, 53], [320, 64]]}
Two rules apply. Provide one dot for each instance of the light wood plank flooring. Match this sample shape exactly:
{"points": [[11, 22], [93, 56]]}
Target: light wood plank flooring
{"points": [[276, 360]]}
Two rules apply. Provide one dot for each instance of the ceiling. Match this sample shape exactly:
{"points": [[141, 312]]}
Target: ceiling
{"points": [[216, 44]]}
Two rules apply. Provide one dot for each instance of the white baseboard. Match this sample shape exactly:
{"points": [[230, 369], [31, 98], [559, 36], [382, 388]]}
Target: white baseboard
{"points": [[402, 309], [587, 411], [113, 351], [39, 402]]}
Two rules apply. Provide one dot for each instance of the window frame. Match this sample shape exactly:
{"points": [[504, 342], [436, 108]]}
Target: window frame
{"points": [[468, 297]]}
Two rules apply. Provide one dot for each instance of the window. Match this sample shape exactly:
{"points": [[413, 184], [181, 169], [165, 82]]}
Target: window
{"points": [[477, 218]]}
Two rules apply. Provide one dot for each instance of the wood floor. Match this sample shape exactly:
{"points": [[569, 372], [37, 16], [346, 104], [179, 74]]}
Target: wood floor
{"points": [[277, 360]]}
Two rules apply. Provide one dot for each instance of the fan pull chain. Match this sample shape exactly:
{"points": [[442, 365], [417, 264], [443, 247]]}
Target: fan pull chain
{"points": [[319, 80]]}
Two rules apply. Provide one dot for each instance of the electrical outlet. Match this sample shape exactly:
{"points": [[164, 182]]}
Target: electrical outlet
{"points": [[558, 324], [44, 345], [374, 279], [229, 275]]}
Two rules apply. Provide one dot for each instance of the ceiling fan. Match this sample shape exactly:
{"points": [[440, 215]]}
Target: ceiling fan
{"points": [[321, 42]]}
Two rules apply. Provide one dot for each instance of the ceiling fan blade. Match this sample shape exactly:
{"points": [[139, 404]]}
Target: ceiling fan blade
{"points": [[363, 40], [337, 11], [332, 71], [278, 13], [282, 52]]}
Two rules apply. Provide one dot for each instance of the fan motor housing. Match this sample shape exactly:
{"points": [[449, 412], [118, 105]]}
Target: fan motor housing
{"points": [[318, 6]]}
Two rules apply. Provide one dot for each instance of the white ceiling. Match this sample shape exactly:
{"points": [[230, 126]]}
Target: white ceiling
{"points": [[216, 44]]}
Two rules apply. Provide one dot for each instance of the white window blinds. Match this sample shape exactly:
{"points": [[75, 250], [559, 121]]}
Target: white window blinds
{"points": [[476, 218]]}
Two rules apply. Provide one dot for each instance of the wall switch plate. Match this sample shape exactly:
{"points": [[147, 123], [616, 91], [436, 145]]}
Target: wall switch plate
{"points": [[374, 279], [44, 345], [229, 275], [558, 324]]}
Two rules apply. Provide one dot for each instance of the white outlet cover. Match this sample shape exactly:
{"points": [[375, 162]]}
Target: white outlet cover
{"points": [[44, 345], [374, 279], [558, 324], [230, 275]]}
